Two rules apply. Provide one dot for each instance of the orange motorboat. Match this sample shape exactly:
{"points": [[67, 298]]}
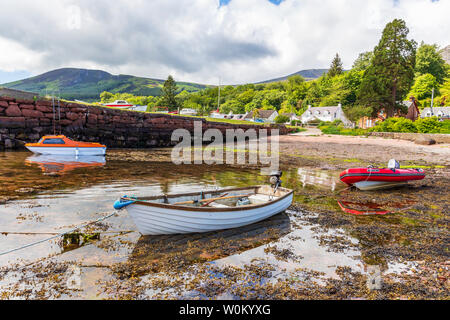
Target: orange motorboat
{"points": [[61, 145]]}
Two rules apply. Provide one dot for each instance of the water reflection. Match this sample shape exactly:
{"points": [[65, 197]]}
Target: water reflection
{"points": [[159, 253], [317, 178], [64, 163], [361, 208]]}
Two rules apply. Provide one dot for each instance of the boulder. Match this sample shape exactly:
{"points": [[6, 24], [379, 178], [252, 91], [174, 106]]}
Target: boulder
{"points": [[47, 103], [50, 115], [44, 121], [4, 104], [425, 140], [24, 101], [32, 113], [26, 106], [64, 122], [92, 118], [44, 108], [13, 111], [72, 115]]}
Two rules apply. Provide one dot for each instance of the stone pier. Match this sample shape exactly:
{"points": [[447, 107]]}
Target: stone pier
{"points": [[28, 118]]}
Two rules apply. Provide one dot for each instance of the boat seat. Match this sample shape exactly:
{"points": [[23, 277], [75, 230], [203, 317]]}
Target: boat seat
{"points": [[259, 198], [217, 205]]}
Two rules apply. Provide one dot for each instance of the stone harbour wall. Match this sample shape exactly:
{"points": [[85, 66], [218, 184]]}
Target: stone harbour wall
{"points": [[27, 120], [416, 137]]}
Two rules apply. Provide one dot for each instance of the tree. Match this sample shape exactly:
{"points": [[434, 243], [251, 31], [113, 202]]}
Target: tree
{"points": [[389, 77], [428, 60], [255, 114], [423, 86], [336, 67], [182, 97], [106, 96], [169, 90], [444, 98], [363, 61]]}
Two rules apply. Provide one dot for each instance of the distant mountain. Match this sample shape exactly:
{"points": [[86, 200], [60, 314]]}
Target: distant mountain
{"points": [[309, 74], [83, 84], [445, 53]]}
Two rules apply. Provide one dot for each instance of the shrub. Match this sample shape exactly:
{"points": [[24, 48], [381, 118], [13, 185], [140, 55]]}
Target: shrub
{"points": [[336, 122], [281, 119], [429, 125], [404, 125], [330, 129], [445, 126], [323, 123], [423, 125], [395, 125]]}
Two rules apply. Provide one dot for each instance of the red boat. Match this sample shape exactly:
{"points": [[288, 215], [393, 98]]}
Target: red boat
{"points": [[380, 178]]}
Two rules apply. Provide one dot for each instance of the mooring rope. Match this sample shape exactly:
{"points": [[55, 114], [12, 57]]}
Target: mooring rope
{"points": [[56, 236]]}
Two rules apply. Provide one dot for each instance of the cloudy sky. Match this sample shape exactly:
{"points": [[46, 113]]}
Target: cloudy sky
{"points": [[201, 41]]}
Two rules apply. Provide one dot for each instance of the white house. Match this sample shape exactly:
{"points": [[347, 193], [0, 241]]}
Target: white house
{"points": [[440, 112], [325, 114]]}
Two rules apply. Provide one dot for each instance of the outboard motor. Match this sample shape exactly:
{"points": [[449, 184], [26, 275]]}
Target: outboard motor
{"points": [[275, 180], [393, 164]]}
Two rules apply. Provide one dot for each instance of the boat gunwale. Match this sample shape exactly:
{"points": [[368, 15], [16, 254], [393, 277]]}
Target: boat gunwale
{"points": [[208, 209], [62, 146]]}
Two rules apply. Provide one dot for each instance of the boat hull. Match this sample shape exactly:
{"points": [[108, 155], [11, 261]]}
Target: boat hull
{"points": [[76, 151], [378, 185], [380, 178], [159, 220]]}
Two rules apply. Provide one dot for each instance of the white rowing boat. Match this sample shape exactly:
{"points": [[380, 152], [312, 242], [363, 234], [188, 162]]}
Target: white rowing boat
{"points": [[205, 211]]}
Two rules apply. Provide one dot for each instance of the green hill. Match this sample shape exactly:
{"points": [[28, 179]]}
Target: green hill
{"points": [[83, 84], [309, 74]]}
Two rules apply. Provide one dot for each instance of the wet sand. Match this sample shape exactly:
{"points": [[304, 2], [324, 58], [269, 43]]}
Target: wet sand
{"points": [[367, 149], [313, 251]]}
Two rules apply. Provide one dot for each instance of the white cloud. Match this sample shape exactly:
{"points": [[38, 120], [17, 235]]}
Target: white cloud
{"points": [[244, 41]]}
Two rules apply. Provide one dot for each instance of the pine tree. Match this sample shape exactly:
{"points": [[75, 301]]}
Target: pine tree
{"points": [[336, 67], [388, 79], [169, 91]]}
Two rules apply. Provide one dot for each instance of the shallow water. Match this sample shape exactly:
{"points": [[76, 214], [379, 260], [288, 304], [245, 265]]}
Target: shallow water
{"points": [[41, 196]]}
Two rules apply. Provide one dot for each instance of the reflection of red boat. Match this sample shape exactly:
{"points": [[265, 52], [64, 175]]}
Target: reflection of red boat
{"points": [[379, 178], [361, 209]]}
